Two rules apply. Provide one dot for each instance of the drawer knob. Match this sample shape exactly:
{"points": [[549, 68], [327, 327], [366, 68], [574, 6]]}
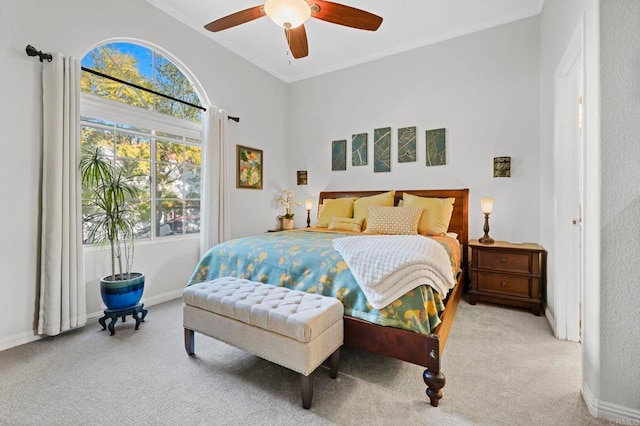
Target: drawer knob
{"points": [[503, 260], [503, 283]]}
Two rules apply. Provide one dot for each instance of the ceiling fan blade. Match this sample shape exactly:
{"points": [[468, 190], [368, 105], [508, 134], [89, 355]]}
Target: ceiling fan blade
{"points": [[236, 19], [345, 15], [297, 39]]}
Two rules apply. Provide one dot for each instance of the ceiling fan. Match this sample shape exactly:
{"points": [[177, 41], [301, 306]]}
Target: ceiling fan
{"points": [[292, 14]]}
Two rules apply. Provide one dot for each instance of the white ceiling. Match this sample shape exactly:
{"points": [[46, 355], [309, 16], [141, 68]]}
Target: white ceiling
{"points": [[407, 24]]}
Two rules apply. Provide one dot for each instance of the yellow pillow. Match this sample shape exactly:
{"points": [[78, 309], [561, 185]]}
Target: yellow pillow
{"points": [[436, 213], [393, 220], [346, 224], [361, 205], [334, 207]]}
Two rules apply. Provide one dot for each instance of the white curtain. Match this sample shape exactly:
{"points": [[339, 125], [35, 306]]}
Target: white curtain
{"points": [[62, 286], [214, 214]]}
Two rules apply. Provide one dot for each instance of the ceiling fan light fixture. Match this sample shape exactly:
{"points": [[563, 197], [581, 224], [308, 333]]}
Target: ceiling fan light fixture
{"points": [[287, 13]]}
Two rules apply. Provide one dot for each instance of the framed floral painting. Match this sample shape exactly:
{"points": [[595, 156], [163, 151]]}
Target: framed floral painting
{"points": [[249, 167]]}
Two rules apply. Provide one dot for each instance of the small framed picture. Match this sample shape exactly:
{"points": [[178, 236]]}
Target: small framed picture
{"points": [[250, 163], [302, 177]]}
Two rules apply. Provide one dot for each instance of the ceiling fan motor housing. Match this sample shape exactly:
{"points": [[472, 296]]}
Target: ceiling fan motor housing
{"points": [[288, 13]]}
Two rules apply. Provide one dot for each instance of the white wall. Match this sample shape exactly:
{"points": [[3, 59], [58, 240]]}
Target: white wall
{"points": [[483, 88], [620, 288], [72, 27]]}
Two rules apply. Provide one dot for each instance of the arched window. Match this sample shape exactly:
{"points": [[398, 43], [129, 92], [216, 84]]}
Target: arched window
{"points": [[142, 111]]}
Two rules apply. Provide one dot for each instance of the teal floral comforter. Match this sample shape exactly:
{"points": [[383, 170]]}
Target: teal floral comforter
{"points": [[305, 260]]}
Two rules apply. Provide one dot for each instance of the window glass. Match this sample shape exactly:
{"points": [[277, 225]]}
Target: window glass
{"points": [[163, 160], [144, 67]]}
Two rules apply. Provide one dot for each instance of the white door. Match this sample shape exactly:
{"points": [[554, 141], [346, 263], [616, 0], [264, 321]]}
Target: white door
{"points": [[568, 168]]}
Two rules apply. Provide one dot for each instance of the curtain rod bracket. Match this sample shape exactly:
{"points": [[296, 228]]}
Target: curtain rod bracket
{"points": [[236, 119], [32, 51]]}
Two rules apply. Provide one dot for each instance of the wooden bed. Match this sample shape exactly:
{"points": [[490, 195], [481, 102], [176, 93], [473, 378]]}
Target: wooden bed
{"points": [[420, 349]]}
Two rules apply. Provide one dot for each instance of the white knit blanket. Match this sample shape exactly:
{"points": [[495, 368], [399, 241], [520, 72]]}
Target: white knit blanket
{"points": [[388, 266]]}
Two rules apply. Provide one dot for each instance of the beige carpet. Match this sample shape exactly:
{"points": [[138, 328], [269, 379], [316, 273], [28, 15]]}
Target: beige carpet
{"points": [[503, 366]]}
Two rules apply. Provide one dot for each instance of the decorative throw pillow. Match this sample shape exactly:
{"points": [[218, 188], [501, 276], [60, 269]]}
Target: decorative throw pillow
{"points": [[393, 220], [361, 205], [334, 207], [436, 213], [346, 224]]}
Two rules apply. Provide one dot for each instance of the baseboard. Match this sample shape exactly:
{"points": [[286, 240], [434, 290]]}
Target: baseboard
{"points": [[32, 336], [148, 301], [550, 320], [616, 414], [18, 339], [164, 297]]}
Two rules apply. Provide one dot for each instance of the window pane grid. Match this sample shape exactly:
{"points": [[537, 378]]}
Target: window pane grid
{"points": [[176, 205]]}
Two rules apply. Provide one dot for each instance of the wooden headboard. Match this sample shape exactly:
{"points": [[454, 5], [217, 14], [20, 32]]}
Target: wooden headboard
{"points": [[459, 218]]}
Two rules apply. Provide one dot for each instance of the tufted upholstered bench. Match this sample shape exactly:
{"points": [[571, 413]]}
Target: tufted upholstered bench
{"points": [[291, 328]]}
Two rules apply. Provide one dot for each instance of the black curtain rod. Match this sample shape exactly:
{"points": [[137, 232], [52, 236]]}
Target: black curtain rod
{"points": [[32, 51], [99, 74]]}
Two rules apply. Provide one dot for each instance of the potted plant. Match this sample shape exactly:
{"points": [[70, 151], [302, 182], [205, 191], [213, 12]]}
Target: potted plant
{"points": [[286, 199], [111, 221]]}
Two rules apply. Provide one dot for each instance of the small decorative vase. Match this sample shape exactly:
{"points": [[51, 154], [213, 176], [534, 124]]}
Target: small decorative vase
{"points": [[286, 223], [121, 294]]}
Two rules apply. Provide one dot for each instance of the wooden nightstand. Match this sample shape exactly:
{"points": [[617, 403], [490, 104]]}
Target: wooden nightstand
{"points": [[509, 274]]}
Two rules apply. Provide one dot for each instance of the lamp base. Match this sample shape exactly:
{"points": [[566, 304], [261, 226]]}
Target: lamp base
{"points": [[486, 240]]}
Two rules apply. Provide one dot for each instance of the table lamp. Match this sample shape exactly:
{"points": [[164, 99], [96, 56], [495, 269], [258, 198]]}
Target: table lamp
{"points": [[308, 204], [487, 208]]}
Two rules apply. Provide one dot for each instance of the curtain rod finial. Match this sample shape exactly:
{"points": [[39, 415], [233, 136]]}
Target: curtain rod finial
{"points": [[32, 51]]}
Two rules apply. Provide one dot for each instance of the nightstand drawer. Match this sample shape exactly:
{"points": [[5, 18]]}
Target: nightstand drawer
{"points": [[504, 284], [504, 261]]}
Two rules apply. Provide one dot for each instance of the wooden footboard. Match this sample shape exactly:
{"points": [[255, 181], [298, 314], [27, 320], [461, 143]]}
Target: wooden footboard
{"points": [[419, 349]]}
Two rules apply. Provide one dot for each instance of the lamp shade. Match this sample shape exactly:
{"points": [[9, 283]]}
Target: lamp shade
{"points": [[487, 204], [308, 204], [287, 13]]}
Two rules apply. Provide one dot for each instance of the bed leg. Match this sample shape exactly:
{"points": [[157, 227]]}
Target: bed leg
{"points": [[432, 376], [189, 345]]}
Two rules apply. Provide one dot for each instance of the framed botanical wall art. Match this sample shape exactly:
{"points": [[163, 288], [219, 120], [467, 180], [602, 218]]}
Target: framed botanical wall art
{"points": [[407, 145], [359, 149], [382, 150], [249, 166], [436, 147], [339, 155]]}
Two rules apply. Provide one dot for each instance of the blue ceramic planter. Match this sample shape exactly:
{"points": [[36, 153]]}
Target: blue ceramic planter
{"points": [[122, 293]]}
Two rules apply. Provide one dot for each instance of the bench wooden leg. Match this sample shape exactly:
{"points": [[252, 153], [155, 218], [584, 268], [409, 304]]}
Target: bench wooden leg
{"points": [[335, 363], [307, 390], [189, 341]]}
